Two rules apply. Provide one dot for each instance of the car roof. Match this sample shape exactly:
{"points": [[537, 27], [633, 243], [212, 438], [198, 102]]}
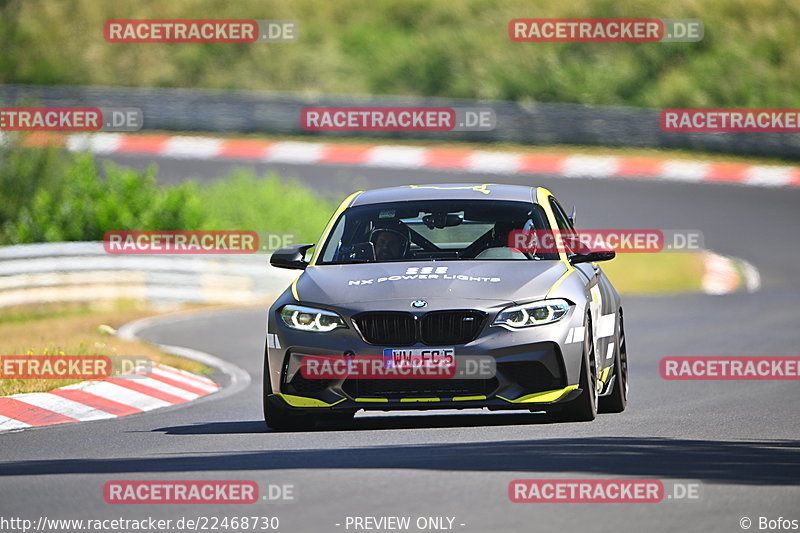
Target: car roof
{"points": [[447, 191]]}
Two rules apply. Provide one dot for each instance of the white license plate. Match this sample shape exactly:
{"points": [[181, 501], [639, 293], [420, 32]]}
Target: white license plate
{"points": [[418, 357]]}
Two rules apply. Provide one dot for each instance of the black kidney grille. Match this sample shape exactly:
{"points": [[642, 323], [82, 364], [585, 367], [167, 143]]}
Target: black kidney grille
{"points": [[391, 329], [451, 327], [436, 328]]}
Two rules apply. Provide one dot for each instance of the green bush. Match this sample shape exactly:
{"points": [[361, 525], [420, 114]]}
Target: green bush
{"points": [[48, 196], [23, 171], [243, 201]]}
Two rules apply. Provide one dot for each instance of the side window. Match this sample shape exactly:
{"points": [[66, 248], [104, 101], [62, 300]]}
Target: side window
{"points": [[564, 225], [334, 241]]}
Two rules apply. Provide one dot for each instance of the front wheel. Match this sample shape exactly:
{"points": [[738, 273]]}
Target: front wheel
{"points": [[618, 399], [584, 407], [277, 415]]}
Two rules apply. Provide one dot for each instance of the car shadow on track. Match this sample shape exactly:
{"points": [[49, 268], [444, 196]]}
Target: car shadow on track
{"points": [[740, 462], [372, 423]]}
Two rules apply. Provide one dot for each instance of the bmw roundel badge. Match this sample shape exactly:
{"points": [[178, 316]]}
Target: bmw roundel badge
{"points": [[419, 304]]}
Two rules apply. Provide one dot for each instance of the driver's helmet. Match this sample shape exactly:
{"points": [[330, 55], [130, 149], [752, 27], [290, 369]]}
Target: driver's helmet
{"points": [[502, 231], [396, 228]]}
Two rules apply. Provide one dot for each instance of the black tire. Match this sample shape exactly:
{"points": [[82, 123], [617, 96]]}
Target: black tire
{"points": [[618, 399], [584, 407], [280, 417]]}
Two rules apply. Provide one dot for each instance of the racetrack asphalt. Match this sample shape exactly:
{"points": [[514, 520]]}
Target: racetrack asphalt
{"points": [[741, 440]]}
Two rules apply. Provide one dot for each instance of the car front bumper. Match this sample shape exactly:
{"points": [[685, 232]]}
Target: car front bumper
{"points": [[537, 368]]}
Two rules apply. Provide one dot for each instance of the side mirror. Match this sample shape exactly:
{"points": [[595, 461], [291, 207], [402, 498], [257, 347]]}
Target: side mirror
{"points": [[592, 257], [292, 257], [572, 216]]}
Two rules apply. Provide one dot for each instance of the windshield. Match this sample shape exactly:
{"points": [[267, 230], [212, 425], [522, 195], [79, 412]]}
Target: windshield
{"points": [[432, 230]]}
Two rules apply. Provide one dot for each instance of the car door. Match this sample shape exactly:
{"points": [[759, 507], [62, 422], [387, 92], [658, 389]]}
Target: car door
{"points": [[602, 299]]}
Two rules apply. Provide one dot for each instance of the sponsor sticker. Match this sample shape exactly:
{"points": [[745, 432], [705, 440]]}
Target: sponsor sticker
{"points": [[425, 273]]}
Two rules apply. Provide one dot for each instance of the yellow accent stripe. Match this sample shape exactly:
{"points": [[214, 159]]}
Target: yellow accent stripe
{"points": [[564, 276], [344, 205], [604, 374], [294, 289], [479, 188], [413, 400], [543, 199], [373, 400], [468, 398], [302, 401], [543, 397]]}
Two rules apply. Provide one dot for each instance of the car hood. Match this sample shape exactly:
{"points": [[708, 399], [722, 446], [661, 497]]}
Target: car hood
{"points": [[436, 282]]}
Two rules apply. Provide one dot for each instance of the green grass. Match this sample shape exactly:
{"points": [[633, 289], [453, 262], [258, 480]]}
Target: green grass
{"points": [[269, 203], [749, 57], [661, 273], [50, 331]]}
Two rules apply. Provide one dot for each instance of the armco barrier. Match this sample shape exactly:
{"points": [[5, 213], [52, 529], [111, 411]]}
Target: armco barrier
{"points": [[279, 113], [83, 271]]}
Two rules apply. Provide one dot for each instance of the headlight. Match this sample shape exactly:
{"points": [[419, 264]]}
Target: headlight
{"points": [[310, 319], [532, 314]]}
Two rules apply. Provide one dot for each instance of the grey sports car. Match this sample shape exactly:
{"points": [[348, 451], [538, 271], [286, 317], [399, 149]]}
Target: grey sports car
{"points": [[417, 298]]}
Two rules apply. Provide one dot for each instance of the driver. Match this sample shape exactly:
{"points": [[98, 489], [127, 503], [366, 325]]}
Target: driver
{"points": [[502, 237], [389, 244]]}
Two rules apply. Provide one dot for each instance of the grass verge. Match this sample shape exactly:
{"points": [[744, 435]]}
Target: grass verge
{"points": [[665, 273], [75, 329]]}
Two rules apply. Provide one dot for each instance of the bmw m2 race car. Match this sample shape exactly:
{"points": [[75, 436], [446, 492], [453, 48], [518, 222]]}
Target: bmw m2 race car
{"points": [[417, 297]]}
